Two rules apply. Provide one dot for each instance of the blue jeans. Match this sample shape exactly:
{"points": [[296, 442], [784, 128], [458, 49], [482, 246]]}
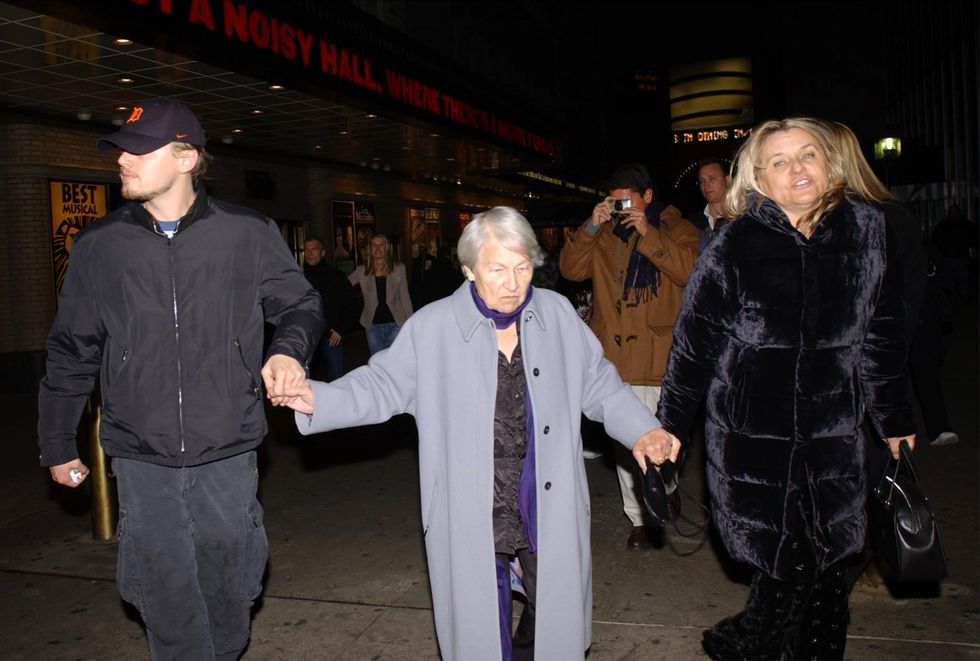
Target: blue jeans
{"points": [[192, 552], [380, 336], [332, 358]]}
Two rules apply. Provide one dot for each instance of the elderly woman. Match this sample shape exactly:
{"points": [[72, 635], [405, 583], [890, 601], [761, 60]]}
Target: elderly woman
{"points": [[498, 376], [384, 286], [792, 330]]}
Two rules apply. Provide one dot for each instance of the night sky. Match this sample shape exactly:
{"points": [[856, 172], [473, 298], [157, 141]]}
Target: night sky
{"points": [[818, 58]]}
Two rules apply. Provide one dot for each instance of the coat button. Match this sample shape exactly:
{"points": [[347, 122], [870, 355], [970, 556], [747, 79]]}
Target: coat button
{"points": [[547, 429], [547, 486], [536, 371]]}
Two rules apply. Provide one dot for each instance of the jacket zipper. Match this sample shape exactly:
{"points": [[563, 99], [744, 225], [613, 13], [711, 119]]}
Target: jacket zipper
{"points": [[241, 354], [180, 385]]}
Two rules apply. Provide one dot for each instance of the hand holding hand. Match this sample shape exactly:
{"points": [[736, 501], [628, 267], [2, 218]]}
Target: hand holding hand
{"points": [[302, 399], [657, 444], [62, 474], [282, 375], [894, 443]]}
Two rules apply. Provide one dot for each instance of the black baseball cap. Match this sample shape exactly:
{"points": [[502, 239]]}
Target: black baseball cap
{"points": [[153, 124]]}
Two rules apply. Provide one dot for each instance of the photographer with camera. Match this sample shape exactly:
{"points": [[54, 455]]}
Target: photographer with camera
{"points": [[638, 253]]}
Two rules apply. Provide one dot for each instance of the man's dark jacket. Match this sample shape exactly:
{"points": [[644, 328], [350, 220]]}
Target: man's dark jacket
{"points": [[700, 220], [174, 327], [340, 309], [792, 340]]}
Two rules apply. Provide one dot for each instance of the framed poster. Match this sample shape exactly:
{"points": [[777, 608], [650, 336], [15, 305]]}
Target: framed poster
{"points": [[433, 233], [364, 228], [342, 215], [416, 224], [73, 206]]}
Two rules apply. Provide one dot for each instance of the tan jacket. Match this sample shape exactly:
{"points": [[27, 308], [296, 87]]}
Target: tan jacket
{"points": [[396, 294], [635, 339]]}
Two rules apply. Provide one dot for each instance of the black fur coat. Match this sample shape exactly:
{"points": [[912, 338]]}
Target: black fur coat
{"points": [[792, 341]]}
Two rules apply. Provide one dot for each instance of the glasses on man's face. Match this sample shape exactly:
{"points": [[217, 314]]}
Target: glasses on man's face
{"points": [[710, 179]]}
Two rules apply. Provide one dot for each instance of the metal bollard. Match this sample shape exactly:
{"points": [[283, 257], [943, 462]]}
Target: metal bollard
{"points": [[105, 508]]}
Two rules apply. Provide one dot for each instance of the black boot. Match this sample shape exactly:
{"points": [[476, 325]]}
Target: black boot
{"points": [[823, 627], [763, 630], [769, 626]]}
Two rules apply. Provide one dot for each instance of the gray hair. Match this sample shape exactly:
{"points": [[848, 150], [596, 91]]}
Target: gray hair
{"points": [[505, 224]]}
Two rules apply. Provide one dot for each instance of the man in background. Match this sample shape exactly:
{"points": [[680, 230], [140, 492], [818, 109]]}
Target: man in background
{"points": [[339, 306], [713, 182], [639, 254]]}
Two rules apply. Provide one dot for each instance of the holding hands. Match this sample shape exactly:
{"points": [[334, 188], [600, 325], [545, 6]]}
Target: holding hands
{"points": [[657, 444], [286, 383]]}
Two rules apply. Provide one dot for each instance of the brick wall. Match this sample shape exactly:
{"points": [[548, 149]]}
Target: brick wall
{"points": [[33, 154]]}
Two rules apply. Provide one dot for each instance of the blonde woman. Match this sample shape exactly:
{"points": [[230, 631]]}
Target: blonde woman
{"points": [[792, 333], [384, 286]]}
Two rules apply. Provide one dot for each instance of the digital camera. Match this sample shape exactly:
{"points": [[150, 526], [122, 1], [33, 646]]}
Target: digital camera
{"points": [[621, 231]]}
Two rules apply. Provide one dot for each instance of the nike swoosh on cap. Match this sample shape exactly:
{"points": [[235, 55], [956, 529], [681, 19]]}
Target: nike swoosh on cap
{"points": [[181, 135]]}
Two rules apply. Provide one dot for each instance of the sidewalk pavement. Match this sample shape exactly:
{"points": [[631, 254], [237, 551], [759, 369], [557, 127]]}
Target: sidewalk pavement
{"points": [[347, 579]]}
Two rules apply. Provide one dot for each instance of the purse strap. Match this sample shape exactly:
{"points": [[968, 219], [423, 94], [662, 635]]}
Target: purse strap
{"points": [[904, 460]]}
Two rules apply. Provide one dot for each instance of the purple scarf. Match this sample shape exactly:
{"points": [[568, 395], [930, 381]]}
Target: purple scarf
{"points": [[501, 320]]}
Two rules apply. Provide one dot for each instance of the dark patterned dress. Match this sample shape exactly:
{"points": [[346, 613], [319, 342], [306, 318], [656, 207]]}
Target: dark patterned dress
{"points": [[509, 451]]}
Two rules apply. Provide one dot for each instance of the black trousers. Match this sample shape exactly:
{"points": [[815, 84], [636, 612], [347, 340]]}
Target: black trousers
{"points": [[522, 643], [192, 552]]}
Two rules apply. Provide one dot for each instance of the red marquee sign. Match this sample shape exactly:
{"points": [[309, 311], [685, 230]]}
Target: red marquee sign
{"points": [[262, 31]]}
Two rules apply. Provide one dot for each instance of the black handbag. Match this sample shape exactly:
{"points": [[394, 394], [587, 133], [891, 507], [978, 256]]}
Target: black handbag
{"points": [[657, 484], [903, 526]]}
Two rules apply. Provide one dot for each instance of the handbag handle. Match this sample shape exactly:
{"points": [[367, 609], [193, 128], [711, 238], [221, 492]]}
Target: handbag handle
{"points": [[905, 457]]}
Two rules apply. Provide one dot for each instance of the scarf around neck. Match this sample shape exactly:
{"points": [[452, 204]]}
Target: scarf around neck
{"points": [[501, 320], [642, 276]]}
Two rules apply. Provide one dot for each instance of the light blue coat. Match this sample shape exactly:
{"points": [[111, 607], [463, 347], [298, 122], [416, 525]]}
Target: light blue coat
{"points": [[442, 369]]}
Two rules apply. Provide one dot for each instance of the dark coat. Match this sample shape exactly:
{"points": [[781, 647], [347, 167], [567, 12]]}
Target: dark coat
{"points": [[173, 328], [791, 340], [700, 220], [912, 257], [340, 306]]}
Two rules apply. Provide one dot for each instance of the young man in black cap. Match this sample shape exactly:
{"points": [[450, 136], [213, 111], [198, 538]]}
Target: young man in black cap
{"points": [[164, 300]]}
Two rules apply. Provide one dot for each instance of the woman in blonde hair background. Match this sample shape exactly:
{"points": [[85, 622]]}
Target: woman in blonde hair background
{"points": [[384, 286], [791, 331], [920, 291]]}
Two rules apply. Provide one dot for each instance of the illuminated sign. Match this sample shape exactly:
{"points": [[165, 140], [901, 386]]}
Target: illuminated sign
{"points": [[283, 39], [684, 137], [711, 95], [555, 181]]}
